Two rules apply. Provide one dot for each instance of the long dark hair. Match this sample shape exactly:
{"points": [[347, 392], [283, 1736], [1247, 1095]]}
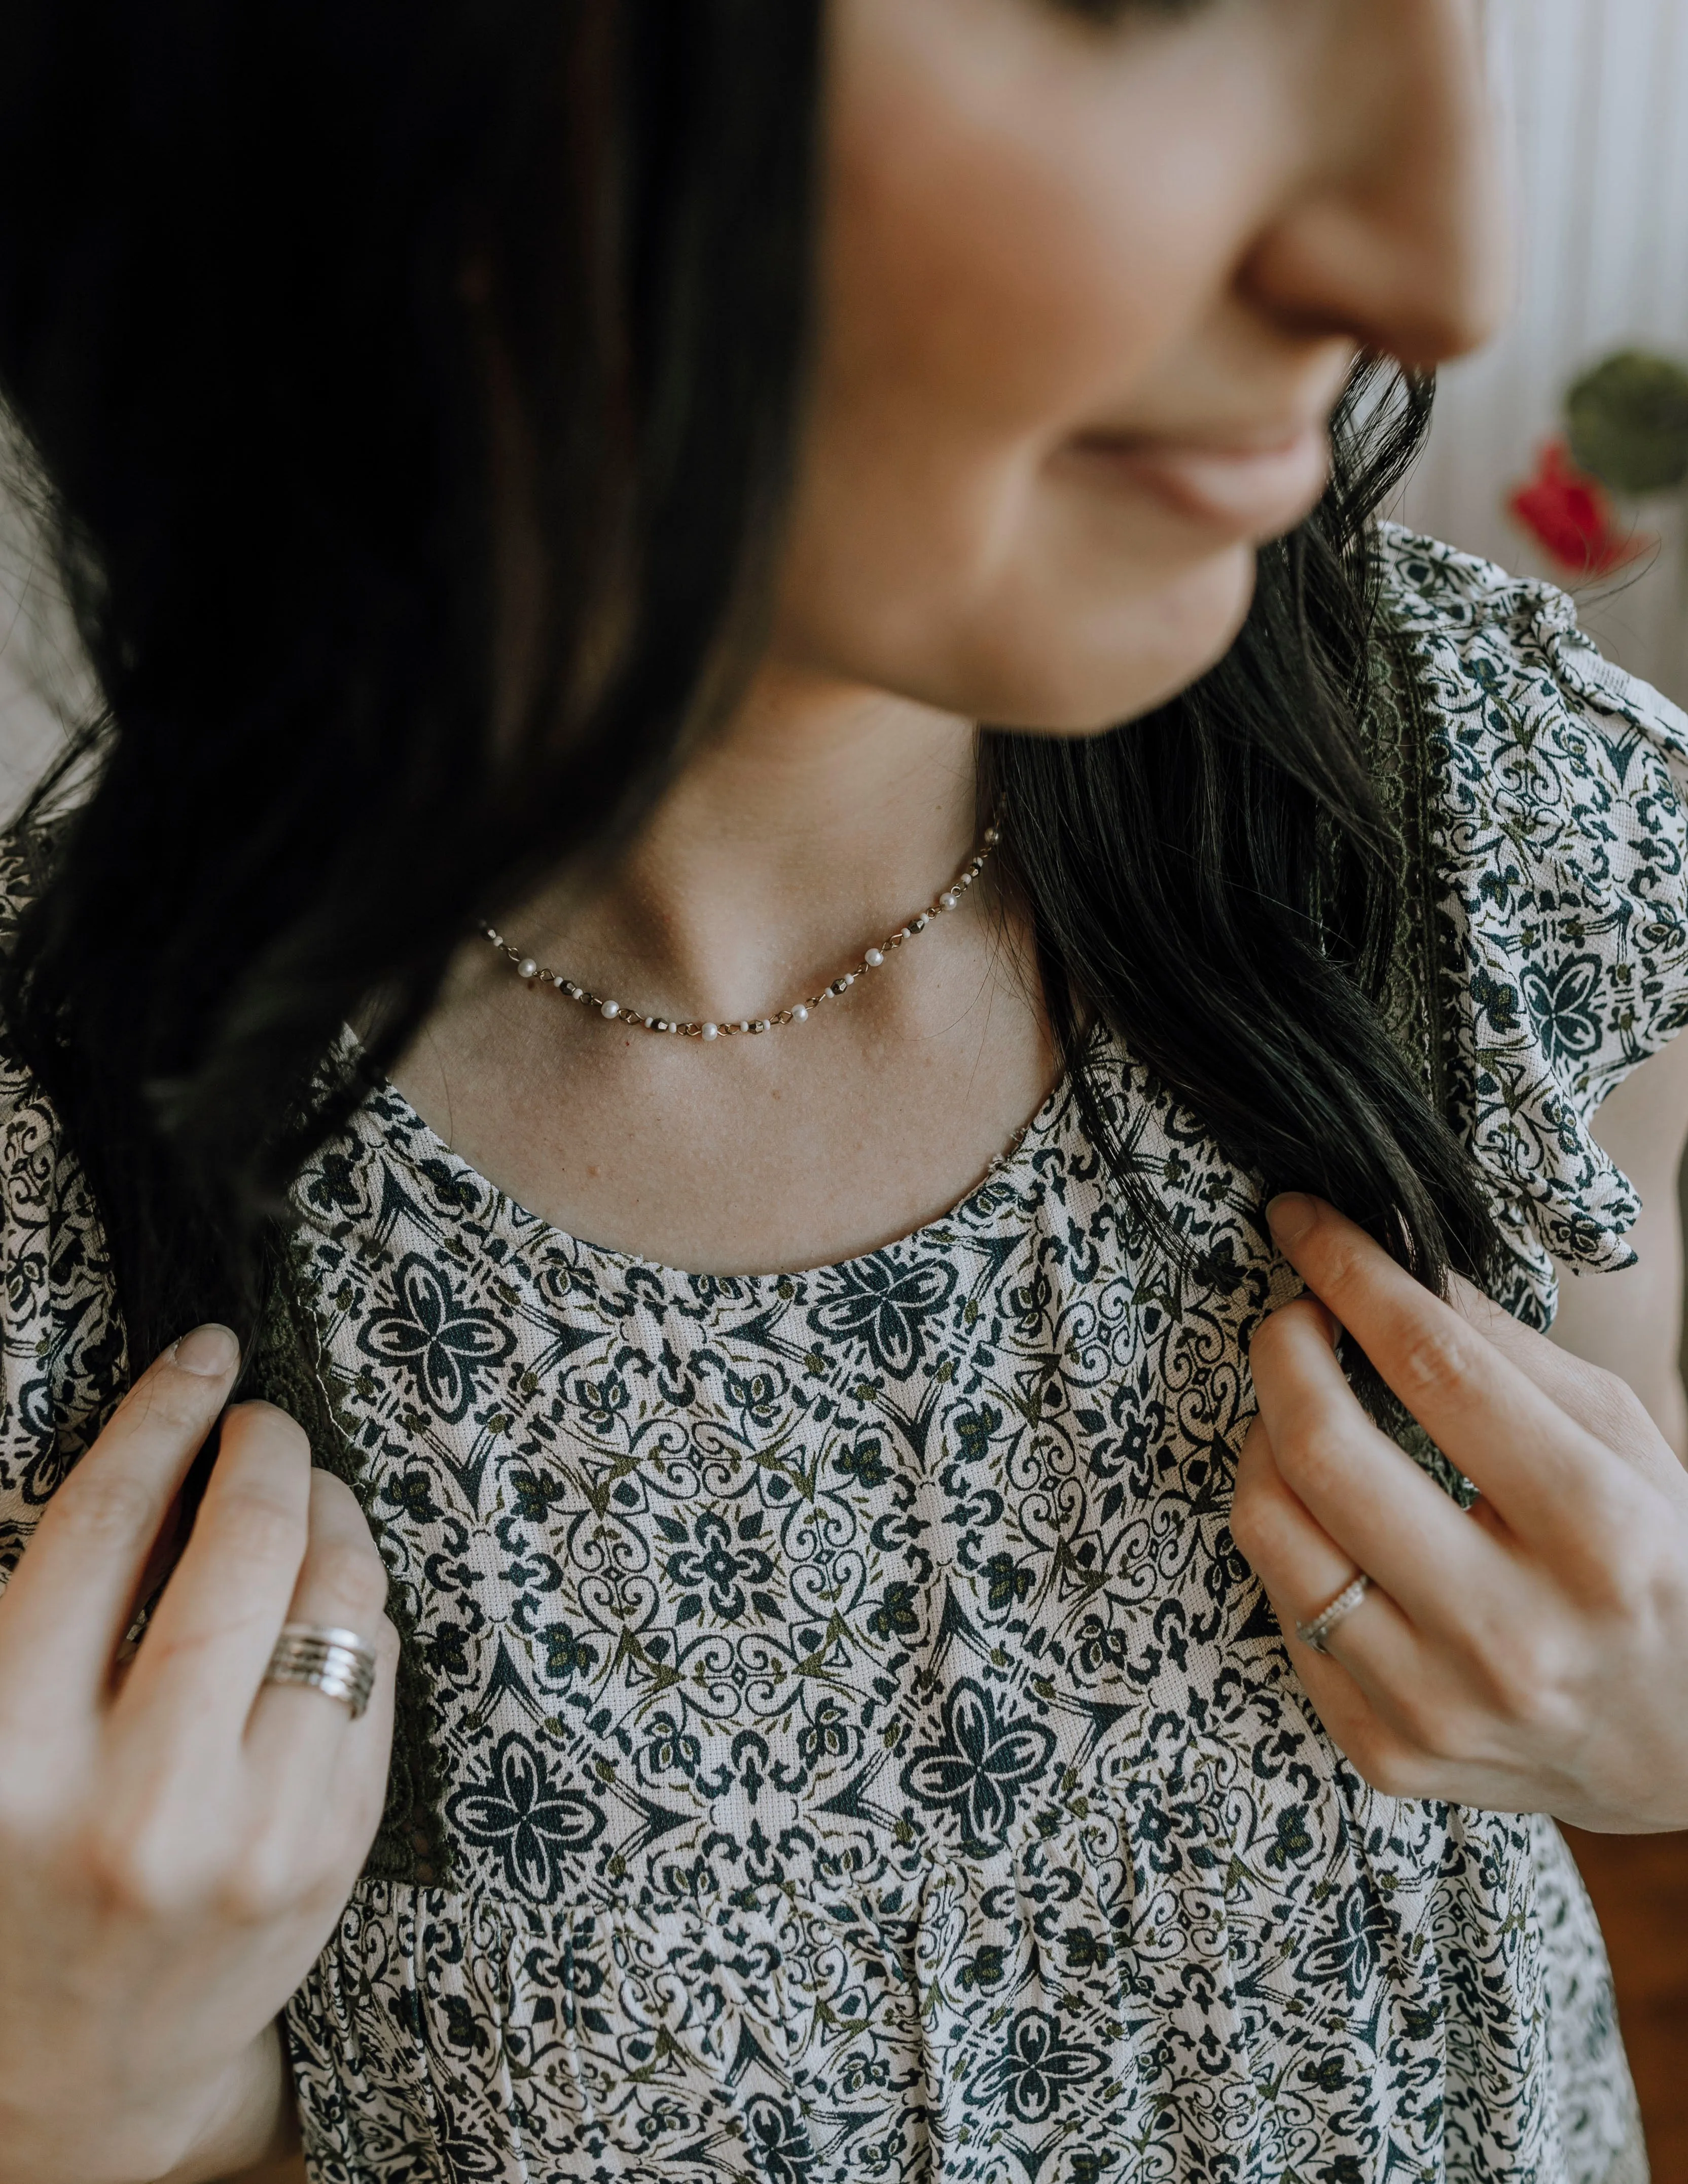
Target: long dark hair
{"points": [[331, 303]]}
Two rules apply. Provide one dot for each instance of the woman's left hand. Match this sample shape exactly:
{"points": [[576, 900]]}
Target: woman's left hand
{"points": [[1529, 1656]]}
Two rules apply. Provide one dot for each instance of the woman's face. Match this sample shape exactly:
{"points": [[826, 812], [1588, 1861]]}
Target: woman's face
{"points": [[1093, 278]]}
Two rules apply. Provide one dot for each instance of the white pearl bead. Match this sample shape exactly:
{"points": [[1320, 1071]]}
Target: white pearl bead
{"points": [[873, 959]]}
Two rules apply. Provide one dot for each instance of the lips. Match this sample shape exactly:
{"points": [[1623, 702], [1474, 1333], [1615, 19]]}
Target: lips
{"points": [[1248, 488]]}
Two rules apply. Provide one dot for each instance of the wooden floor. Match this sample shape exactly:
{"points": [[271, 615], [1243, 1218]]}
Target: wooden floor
{"points": [[1639, 1888]]}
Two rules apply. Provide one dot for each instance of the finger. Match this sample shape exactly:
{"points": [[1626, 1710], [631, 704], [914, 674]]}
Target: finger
{"points": [[295, 1734], [1601, 1403], [1548, 1478], [1303, 1569], [1385, 1514], [199, 1665], [1377, 1685], [71, 1597], [357, 1793], [319, 1778]]}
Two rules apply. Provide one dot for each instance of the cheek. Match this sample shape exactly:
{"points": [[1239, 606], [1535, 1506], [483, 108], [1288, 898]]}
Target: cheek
{"points": [[1010, 259], [983, 299], [1018, 227], [940, 548]]}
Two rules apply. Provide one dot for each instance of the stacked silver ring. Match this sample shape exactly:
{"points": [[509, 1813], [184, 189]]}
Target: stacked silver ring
{"points": [[1315, 1633], [338, 1664]]}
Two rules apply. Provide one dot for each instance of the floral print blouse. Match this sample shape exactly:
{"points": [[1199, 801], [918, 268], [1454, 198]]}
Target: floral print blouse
{"points": [[839, 1738]]}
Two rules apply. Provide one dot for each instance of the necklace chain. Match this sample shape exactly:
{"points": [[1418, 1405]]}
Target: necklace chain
{"points": [[528, 968]]}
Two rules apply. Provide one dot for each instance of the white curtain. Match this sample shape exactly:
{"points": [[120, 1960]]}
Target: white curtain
{"points": [[1594, 98]]}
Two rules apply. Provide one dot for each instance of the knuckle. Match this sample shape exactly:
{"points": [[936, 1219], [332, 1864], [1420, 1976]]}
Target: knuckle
{"points": [[1268, 1338], [261, 1888], [1280, 1328], [138, 1875], [29, 1819], [1347, 1269], [273, 1431], [1247, 1528], [143, 1866], [252, 1526], [1595, 1379], [176, 1402], [1389, 1764], [335, 1502], [1436, 1361], [1322, 1451], [351, 1577], [1342, 1267], [1392, 1771], [1527, 1681], [1622, 1553], [104, 1506], [1259, 1540], [1430, 1727], [1623, 1420]]}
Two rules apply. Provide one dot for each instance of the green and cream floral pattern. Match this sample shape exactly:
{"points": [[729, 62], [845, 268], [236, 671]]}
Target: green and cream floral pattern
{"points": [[862, 1752]]}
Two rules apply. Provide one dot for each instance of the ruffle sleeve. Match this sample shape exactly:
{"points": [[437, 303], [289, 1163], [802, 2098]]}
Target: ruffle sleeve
{"points": [[1559, 802], [61, 1344]]}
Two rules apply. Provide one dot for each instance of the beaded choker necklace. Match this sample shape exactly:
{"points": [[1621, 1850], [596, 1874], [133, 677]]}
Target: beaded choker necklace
{"points": [[536, 973]]}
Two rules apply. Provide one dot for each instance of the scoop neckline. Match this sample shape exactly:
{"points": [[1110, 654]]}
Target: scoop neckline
{"points": [[548, 1235]]}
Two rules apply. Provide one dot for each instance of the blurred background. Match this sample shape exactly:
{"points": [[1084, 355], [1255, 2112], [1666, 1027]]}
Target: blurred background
{"points": [[1594, 101], [1593, 95]]}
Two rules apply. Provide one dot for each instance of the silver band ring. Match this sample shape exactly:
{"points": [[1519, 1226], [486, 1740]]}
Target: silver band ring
{"points": [[338, 1664], [1314, 1633]]}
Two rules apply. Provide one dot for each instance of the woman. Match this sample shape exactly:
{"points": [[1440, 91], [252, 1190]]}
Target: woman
{"points": [[550, 495]]}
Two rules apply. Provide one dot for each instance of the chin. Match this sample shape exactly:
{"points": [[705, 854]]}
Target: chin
{"points": [[1121, 660]]}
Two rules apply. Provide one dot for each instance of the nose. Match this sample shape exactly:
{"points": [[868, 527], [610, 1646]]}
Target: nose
{"points": [[1398, 236]]}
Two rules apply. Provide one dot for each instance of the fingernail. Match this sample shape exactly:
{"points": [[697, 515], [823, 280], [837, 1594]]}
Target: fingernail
{"points": [[210, 1351], [1291, 1217]]}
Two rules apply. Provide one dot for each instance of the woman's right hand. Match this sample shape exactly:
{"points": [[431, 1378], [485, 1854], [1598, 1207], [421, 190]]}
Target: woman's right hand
{"points": [[177, 1837]]}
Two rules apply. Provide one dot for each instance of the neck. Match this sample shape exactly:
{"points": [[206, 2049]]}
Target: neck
{"points": [[820, 818]]}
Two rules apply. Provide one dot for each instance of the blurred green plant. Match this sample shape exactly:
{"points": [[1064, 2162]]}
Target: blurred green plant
{"points": [[1626, 432], [1627, 422]]}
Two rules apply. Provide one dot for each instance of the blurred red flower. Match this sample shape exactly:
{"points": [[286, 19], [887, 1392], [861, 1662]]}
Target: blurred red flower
{"points": [[1571, 514]]}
